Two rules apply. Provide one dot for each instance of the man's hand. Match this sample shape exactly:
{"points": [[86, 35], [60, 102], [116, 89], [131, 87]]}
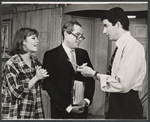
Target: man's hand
{"points": [[86, 71], [83, 103], [78, 109]]}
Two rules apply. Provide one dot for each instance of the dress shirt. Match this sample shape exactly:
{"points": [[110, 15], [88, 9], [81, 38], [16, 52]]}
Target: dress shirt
{"points": [[68, 50], [129, 67]]}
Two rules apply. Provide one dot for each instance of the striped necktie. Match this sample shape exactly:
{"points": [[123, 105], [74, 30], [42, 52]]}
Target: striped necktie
{"points": [[110, 66], [111, 62]]}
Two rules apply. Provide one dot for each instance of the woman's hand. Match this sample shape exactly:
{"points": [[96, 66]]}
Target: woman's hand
{"points": [[86, 71], [41, 73]]}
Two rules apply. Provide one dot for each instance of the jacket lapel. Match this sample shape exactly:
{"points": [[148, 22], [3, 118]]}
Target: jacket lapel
{"points": [[78, 59], [64, 57]]}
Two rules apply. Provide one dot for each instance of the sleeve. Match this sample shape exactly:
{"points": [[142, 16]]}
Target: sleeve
{"points": [[17, 88], [129, 71], [50, 83], [90, 86]]}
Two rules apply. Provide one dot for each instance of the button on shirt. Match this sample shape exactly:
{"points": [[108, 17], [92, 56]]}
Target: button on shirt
{"points": [[129, 67]]}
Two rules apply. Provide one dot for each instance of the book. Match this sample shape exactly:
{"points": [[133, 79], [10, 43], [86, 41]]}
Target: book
{"points": [[77, 92]]}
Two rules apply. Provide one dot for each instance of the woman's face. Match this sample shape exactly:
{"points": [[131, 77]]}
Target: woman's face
{"points": [[30, 44]]}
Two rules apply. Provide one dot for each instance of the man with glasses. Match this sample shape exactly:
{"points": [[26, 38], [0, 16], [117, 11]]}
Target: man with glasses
{"points": [[61, 63]]}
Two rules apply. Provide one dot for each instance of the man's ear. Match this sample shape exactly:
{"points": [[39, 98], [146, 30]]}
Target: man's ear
{"points": [[65, 33], [118, 24]]}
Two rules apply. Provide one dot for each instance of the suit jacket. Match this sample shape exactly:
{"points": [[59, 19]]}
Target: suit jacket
{"points": [[59, 83]]}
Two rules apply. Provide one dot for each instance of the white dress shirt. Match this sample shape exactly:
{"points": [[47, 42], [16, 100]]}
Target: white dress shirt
{"points": [[68, 50], [129, 67]]}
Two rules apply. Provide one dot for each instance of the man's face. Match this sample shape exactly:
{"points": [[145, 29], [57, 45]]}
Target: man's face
{"points": [[71, 39], [110, 30]]}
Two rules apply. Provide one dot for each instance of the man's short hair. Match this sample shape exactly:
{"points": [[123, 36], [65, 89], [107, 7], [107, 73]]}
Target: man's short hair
{"points": [[69, 26], [115, 15]]}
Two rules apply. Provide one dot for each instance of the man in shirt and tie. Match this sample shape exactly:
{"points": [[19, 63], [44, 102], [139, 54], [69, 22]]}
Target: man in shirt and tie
{"points": [[126, 70], [60, 63]]}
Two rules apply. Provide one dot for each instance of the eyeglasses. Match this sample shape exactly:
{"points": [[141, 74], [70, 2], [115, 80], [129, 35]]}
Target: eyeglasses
{"points": [[81, 37]]}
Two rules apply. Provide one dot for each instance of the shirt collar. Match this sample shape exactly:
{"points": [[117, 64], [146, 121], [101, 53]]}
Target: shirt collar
{"points": [[122, 39], [67, 49]]}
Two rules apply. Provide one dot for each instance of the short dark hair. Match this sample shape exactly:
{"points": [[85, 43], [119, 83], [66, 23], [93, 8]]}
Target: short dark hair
{"points": [[117, 14], [69, 26], [19, 37]]}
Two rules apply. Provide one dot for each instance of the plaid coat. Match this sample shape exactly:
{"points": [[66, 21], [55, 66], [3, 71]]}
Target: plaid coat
{"points": [[19, 102]]}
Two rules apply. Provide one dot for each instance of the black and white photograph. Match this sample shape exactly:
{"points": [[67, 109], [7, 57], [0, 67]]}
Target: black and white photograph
{"points": [[74, 60]]}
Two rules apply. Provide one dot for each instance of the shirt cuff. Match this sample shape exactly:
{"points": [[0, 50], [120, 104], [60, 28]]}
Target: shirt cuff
{"points": [[103, 79], [69, 108], [88, 101]]}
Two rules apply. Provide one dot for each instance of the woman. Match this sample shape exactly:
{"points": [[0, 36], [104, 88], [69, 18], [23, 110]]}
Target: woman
{"points": [[21, 85]]}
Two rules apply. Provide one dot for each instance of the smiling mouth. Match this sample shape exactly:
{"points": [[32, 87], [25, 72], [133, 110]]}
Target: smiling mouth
{"points": [[36, 45]]}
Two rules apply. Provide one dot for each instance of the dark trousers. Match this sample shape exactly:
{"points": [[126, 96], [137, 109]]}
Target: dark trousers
{"points": [[125, 106]]}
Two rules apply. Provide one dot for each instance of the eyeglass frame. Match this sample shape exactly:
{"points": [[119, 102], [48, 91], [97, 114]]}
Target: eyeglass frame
{"points": [[77, 37]]}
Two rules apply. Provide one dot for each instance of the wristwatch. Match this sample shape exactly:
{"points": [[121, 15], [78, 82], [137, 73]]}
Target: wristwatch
{"points": [[95, 76]]}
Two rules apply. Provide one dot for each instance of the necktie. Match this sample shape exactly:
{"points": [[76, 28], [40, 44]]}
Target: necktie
{"points": [[73, 59], [111, 62], [110, 66]]}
